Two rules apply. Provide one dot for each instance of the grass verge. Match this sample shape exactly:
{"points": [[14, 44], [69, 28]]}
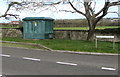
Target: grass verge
{"points": [[72, 45], [21, 45]]}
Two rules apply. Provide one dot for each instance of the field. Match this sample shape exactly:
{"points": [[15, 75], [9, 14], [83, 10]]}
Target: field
{"points": [[84, 28], [76, 28]]}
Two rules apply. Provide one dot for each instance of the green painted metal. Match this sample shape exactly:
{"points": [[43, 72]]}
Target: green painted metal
{"points": [[38, 18], [38, 28]]}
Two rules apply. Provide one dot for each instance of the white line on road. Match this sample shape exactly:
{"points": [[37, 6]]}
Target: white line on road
{"points": [[4, 55], [108, 68], [67, 63], [31, 58]]}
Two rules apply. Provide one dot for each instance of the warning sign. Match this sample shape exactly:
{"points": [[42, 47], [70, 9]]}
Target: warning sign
{"points": [[35, 23]]}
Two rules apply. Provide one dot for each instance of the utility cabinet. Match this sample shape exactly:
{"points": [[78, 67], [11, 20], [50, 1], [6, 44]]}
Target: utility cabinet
{"points": [[38, 28]]}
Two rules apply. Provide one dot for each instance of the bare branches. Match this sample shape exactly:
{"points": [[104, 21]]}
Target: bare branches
{"points": [[87, 4], [114, 13], [92, 9], [6, 12], [52, 3], [114, 3], [76, 9], [107, 6], [87, 9], [104, 10], [16, 16], [68, 11]]}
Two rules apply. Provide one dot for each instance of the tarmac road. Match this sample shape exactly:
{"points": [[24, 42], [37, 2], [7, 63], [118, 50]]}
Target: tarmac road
{"points": [[20, 61]]}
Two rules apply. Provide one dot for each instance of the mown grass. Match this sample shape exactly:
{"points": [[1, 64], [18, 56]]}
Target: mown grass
{"points": [[20, 45], [72, 45], [11, 27], [74, 28], [84, 28]]}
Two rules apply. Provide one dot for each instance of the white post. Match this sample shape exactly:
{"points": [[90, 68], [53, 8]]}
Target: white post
{"points": [[96, 43], [109, 37], [113, 44], [0, 61]]}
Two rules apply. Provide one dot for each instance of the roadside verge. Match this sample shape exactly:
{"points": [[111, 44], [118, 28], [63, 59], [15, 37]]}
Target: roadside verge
{"points": [[32, 44], [64, 51]]}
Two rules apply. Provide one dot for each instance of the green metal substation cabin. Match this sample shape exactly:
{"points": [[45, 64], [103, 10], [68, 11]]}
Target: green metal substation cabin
{"points": [[38, 28]]}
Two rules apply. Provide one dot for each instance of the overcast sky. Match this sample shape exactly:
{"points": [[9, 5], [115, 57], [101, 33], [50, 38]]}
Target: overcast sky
{"points": [[54, 13]]}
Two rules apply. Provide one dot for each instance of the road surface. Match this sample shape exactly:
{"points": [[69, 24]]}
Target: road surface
{"points": [[20, 61]]}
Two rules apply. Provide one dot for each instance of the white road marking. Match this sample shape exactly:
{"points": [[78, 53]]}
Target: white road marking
{"points": [[4, 55], [31, 58], [108, 68], [67, 63]]}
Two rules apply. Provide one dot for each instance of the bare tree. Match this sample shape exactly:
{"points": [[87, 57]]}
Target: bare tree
{"points": [[90, 14]]}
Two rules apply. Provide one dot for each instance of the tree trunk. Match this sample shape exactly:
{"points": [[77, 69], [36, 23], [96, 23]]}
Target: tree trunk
{"points": [[92, 25], [91, 34]]}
